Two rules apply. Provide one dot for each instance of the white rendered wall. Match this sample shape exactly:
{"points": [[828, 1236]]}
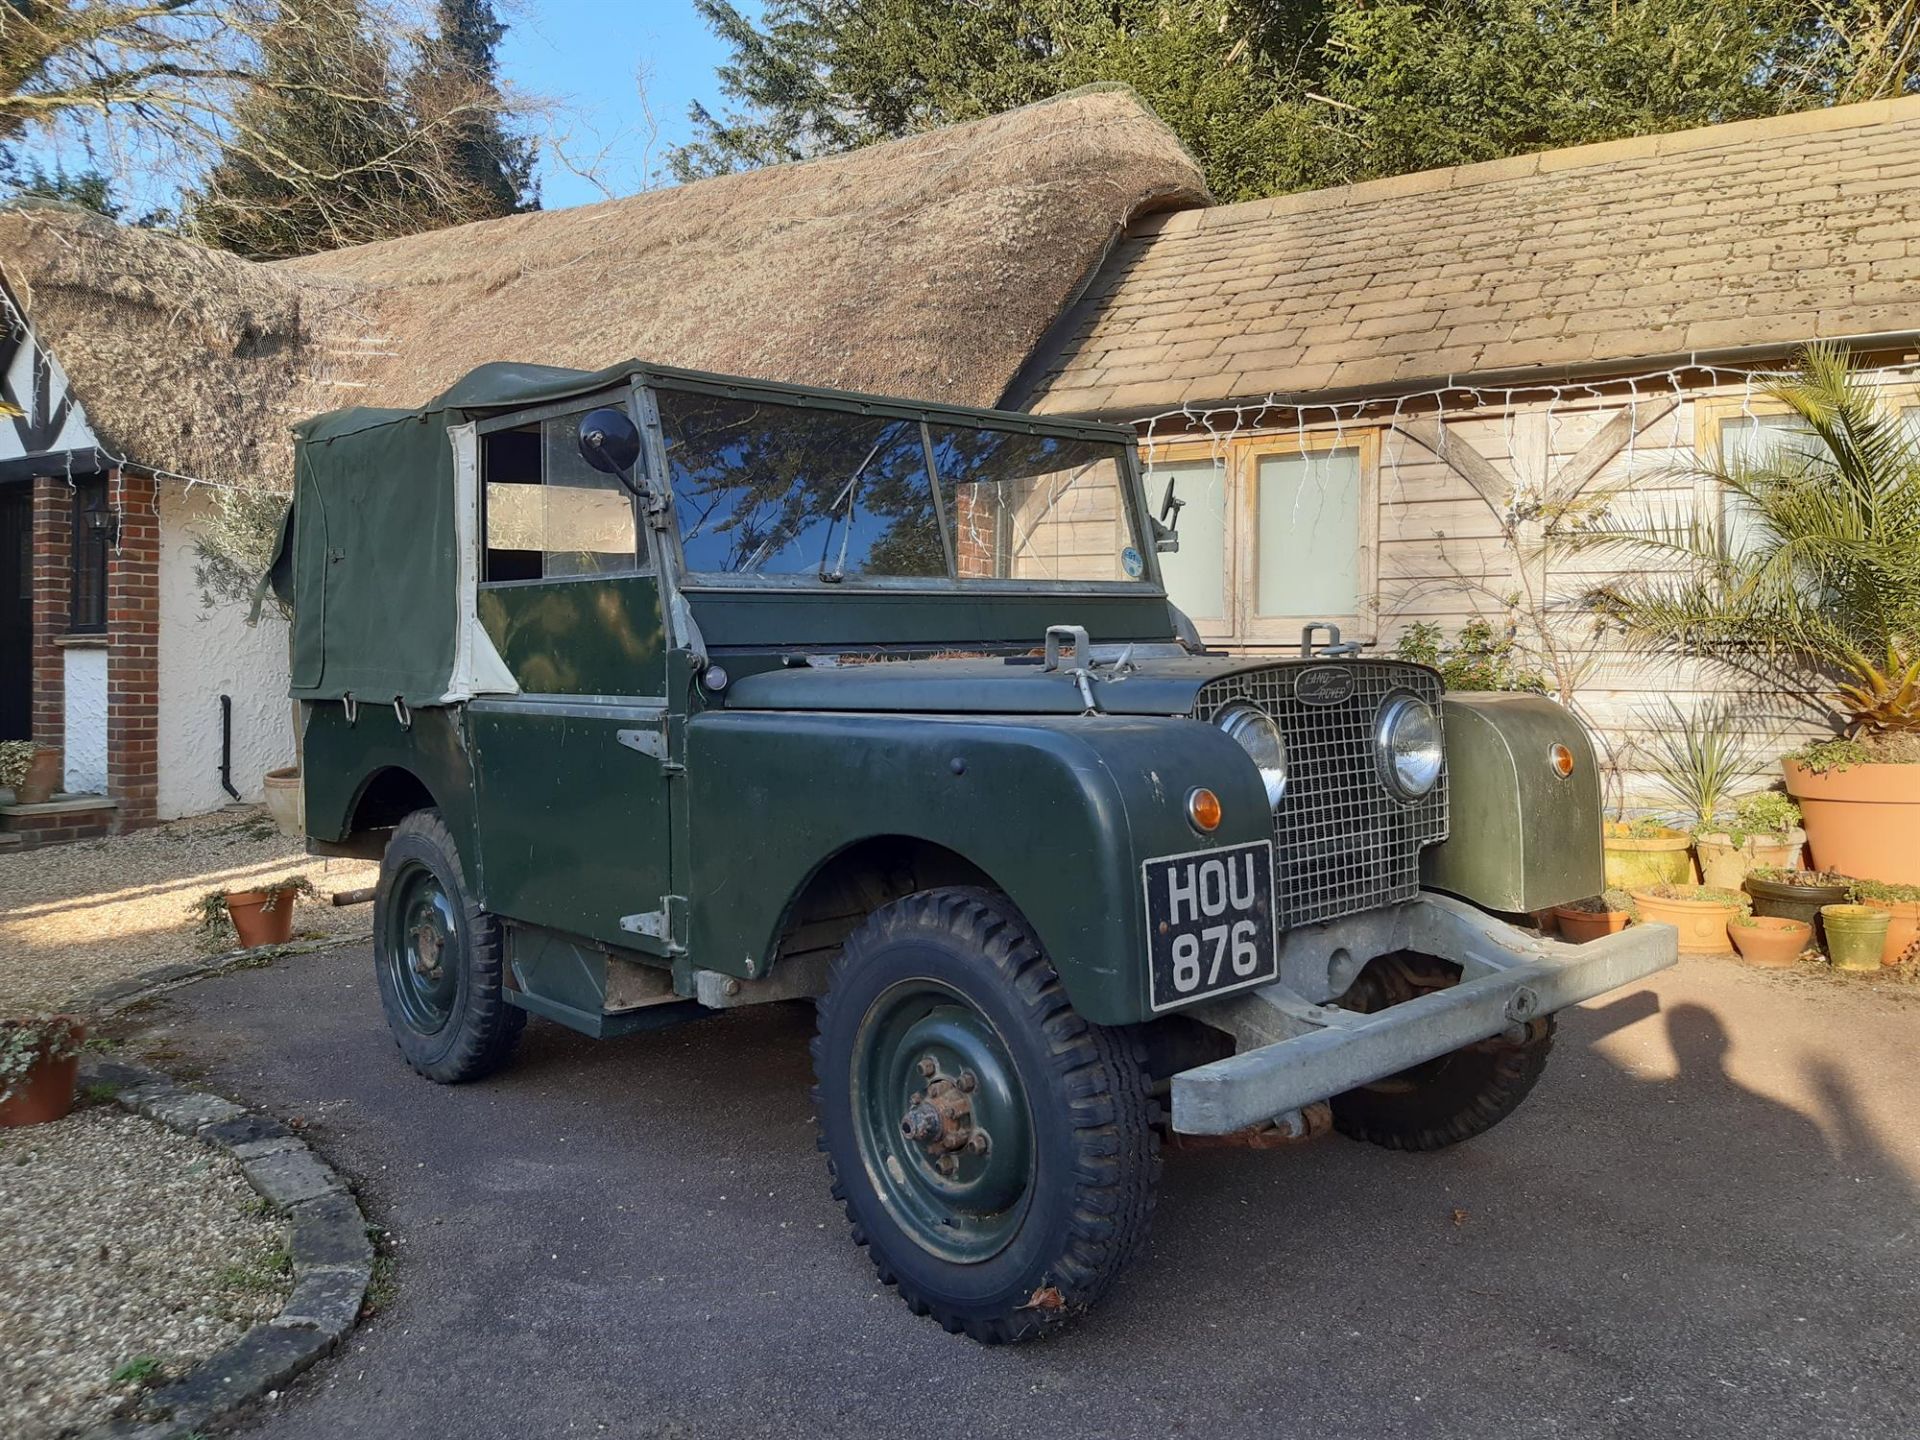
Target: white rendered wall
{"points": [[85, 741], [205, 653]]}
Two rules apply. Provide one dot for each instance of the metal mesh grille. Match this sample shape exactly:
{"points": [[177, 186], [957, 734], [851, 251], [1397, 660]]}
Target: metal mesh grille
{"points": [[1342, 842]]}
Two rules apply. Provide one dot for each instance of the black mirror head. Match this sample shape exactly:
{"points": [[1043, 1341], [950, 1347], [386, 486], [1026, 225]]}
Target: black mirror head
{"points": [[609, 440]]}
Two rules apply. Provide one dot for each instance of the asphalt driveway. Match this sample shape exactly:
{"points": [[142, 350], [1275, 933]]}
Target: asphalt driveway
{"points": [[1704, 1223]]}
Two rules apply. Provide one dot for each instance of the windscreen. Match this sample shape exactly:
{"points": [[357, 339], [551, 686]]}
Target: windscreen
{"points": [[766, 488]]}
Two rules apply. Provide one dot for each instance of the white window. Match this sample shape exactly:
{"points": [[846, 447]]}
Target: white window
{"points": [[1275, 532], [1307, 539], [1196, 574], [1748, 440]]}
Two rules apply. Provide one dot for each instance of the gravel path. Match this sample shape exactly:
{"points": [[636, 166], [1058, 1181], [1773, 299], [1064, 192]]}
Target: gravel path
{"points": [[122, 1244], [74, 918]]}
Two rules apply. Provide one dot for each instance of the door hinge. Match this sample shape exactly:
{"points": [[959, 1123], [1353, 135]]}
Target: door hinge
{"points": [[651, 743], [654, 929]]}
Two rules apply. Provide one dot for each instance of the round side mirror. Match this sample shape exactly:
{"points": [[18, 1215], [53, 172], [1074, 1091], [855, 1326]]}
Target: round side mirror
{"points": [[609, 441]]}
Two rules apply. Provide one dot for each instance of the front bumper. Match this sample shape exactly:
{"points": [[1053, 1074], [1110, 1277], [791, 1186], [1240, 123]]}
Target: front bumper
{"points": [[1305, 1052]]}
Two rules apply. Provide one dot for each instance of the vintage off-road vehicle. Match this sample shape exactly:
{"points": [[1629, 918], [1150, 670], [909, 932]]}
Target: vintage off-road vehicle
{"points": [[660, 693]]}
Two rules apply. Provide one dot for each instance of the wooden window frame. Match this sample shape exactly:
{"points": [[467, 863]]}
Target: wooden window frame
{"points": [[1240, 457], [1219, 452], [1278, 629]]}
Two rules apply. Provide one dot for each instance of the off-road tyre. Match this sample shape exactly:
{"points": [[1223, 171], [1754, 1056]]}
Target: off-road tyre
{"points": [[480, 1028], [1445, 1100], [1094, 1147]]}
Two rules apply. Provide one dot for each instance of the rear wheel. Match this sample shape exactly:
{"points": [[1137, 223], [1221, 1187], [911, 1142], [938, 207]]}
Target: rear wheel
{"points": [[1450, 1098], [993, 1150], [438, 959]]}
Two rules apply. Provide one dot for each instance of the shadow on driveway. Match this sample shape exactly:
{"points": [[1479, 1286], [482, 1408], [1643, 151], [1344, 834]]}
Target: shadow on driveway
{"points": [[1702, 1224]]}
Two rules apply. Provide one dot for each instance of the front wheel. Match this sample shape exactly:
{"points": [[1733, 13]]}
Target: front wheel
{"points": [[993, 1150], [438, 958], [1450, 1098]]}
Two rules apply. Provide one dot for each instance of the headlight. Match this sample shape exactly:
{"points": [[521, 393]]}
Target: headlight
{"points": [[1406, 739], [1254, 731]]}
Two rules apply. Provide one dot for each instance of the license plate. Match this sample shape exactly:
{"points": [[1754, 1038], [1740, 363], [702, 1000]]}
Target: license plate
{"points": [[1210, 922]]}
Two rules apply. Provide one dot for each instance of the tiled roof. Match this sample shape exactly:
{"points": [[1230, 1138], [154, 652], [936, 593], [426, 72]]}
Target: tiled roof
{"points": [[1768, 232]]}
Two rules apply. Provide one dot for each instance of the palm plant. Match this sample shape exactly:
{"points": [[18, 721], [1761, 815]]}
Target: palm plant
{"points": [[1826, 574]]}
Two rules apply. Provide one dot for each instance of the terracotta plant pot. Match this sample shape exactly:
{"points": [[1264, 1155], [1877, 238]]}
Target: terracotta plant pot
{"points": [[45, 774], [1863, 820], [47, 1092], [254, 923], [1903, 927], [1702, 923], [1795, 902], [1856, 934], [1725, 865], [1579, 926], [1770, 941], [1635, 861]]}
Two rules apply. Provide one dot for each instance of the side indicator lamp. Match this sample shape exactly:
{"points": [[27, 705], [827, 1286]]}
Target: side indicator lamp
{"points": [[1561, 758], [1203, 810]]}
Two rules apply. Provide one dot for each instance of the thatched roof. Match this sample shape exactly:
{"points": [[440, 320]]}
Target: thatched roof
{"points": [[1767, 233], [928, 267]]}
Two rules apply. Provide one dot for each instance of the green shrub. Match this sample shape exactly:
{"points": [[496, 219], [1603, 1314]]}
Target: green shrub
{"points": [[1769, 813], [1879, 892], [1475, 659], [15, 757]]}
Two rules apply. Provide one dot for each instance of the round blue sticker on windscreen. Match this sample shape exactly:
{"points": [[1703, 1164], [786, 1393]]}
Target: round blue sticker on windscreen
{"points": [[1131, 562]]}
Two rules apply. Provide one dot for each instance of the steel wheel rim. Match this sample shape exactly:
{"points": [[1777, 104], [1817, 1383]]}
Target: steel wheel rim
{"points": [[422, 950], [971, 1210]]}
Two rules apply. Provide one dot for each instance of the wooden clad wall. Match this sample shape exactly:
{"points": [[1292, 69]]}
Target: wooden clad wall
{"points": [[1460, 535]]}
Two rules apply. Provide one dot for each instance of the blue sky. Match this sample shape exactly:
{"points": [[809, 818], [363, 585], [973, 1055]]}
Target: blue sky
{"points": [[586, 55], [585, 59]]}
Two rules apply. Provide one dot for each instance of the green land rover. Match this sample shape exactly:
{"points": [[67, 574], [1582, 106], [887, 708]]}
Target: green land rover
{"points": [[660, 693]]}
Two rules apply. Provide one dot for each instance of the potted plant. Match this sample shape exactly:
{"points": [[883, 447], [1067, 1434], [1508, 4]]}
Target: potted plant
{"points": [[1856, 934], [1796, 894], [1594, 917], [41, 777], [1769, 940], [1902, 904], [1701, 913], [15, 757], [262, 916], [1821, 576], [39, 1063], [1861, 797], [1763, 831], [1645, 852]]}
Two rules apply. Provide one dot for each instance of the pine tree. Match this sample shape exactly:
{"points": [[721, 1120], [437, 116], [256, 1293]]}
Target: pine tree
{"points": [[331, 145], [478, 153], [316, 145]]}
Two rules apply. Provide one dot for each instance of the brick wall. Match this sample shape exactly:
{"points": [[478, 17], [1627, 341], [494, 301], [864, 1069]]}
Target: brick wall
{"points": [[133, 655], [52, 597]]}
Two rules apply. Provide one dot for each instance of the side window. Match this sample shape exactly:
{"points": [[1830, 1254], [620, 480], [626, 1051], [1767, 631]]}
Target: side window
{"points": [[549, 514], [1307, 534], [1753, 440], [1196, 574]]}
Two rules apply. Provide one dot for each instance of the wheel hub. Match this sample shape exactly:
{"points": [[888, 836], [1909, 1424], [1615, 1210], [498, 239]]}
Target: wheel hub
{"points": [[422, 950], [945, 1128], [428, 947], [940, 1119]]}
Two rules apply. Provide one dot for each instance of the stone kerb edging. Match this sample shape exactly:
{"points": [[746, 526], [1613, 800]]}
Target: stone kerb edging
{"points": [[327, 1237]]}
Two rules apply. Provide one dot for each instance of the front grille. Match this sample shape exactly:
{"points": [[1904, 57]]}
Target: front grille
{"points": [[1342, 842]]}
